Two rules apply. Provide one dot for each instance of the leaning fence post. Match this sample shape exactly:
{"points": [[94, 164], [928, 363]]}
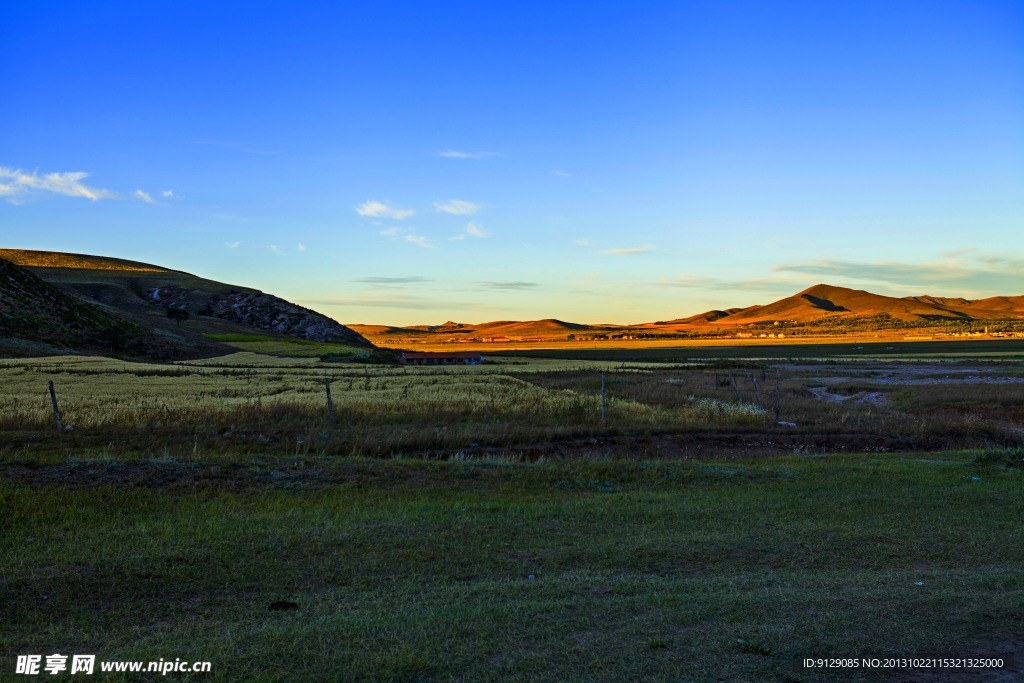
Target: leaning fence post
{"points": [[56, 410], [330, 403], [736, 389]]}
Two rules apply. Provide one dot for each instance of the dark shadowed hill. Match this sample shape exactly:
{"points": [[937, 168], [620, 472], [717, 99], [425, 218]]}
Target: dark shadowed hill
{"points": [[141, 294], [36, 317]]}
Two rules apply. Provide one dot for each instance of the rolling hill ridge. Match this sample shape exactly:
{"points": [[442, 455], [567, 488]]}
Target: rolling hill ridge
{"points": [[137, 297], [812, 305]]}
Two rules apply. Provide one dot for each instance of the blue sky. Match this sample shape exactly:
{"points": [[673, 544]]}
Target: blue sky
{"points": [[412, 162]]}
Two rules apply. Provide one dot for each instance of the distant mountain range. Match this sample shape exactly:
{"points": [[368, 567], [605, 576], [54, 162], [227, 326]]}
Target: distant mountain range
{"points": [[809, 306], [52, 302]]}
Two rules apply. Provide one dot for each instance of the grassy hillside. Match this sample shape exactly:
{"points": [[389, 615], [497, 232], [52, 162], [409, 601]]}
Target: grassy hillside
{"points": [[142, 293], [35, 312], [822, 300], [62, 260]]}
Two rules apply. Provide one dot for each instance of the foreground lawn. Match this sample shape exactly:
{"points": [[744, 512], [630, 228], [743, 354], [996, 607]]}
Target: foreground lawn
{"points": [[611, 570]]}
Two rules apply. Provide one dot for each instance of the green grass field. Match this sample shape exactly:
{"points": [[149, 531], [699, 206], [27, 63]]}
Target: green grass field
{"points": [[482, 523], [477, 570]]}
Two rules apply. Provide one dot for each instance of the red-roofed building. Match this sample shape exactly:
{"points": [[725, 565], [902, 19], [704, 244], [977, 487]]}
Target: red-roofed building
{"points": [[440, 358]]}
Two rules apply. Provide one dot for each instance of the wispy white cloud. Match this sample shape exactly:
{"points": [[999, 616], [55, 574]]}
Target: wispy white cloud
{"points": [[300, 247], [513, 286], [475, 230], [587, 243], [277, 250], [143, 196], [420, 241], [375, 209], [629, 251], [384, 281], [782, 284], [408, 235], [471, 230], [233, 245], [688, 281], [390, 299], [456, 154], [560, 173], [167, 194], [458, 207], [18, 185], [962, 251], [977, 275]]}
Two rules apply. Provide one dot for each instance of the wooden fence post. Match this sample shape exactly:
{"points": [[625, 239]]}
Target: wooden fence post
{"points": [[735, 389], [56, 410], [604, 404], [330, 403], [778, 394]]}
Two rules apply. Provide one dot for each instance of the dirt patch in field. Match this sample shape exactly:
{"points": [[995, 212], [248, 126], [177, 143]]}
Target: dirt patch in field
{"points": [[874, 398], [906, 374]]}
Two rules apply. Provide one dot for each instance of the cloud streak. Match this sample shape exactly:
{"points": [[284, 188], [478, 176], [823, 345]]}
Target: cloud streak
{"points": [[587, 243], [457, 207], [17, 185], [629, 251], [384, 299], [391, 281], [457, 154], [375, 209], [779, 284], [471, 230], [513, 286], [408, 235], [984, 275]]}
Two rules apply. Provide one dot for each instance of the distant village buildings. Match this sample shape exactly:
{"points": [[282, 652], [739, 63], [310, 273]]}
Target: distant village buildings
{"points": [[440, 358]]}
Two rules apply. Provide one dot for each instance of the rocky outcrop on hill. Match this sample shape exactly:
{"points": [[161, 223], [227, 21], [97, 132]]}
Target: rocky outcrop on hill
{"points": [[259, 310]]}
